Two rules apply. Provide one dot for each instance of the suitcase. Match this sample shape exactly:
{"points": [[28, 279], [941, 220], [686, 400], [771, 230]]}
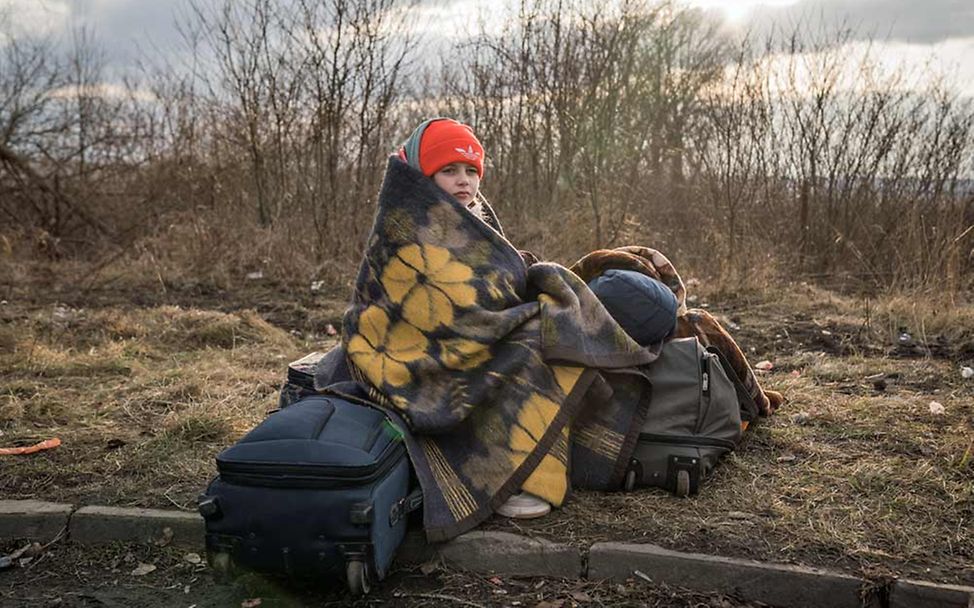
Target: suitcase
{"points": [[695, 417], [319, 489]]}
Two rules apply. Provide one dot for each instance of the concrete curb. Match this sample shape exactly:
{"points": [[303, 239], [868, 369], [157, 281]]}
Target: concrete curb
{"points": [[503, 553], [96, 525], [33, 519], [921, 594], [779, 585]]}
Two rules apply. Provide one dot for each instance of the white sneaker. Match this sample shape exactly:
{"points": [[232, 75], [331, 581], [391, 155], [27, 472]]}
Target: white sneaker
{"points": [[524, 506]]}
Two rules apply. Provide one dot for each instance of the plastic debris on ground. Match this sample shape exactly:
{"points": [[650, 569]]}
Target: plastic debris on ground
{"points": [[47, 444]]}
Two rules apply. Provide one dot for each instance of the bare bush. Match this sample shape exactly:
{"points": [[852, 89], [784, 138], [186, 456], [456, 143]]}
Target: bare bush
{"points": [[632, 122]]}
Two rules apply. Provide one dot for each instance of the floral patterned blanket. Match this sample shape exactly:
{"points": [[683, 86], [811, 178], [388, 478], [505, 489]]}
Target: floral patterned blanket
{"points": [[485, 360]]}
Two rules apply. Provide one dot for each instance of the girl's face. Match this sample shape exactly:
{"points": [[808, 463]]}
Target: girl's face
{"points": [[459, 179]]}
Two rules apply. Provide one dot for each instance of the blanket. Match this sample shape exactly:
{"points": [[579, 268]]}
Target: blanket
{"points": [[485, 360]]}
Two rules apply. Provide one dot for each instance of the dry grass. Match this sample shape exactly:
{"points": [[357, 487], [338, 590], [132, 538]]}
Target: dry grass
{"points": [[849, 474], [143, 399]]}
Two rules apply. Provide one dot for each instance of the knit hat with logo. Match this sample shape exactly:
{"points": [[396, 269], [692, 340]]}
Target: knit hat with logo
{"points": [[439, 142]]}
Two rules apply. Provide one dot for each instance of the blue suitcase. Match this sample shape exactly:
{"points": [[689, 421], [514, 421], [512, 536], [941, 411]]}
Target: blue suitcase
{"points": [[319, 489]]}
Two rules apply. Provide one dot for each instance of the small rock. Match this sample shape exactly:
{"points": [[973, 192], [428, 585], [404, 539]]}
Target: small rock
{"points": [[193, 558], [165, 538], [143, 569], [765, 365], [317, 285], [800, 418], [786, 458], [581, 597], [937, 408], [251, 603], [826, 332], [255, 276], [966, 373], [739, 515], [905, 339]]}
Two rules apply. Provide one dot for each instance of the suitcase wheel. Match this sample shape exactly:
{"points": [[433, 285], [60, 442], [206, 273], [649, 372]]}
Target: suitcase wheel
{"points": [[222, 566], [357, 577], [682, 483]]}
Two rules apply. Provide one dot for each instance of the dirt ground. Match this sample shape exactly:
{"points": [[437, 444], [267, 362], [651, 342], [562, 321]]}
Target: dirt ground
{"points": [[868, 467], [72, 577]]}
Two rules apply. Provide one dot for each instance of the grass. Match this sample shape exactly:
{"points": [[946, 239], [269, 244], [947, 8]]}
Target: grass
{"points": [[852, 473], [142, 399]]}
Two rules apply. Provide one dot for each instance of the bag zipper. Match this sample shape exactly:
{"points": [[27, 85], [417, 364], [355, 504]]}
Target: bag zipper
{"points": [[310, 475], [689, 440], [706, 362]]}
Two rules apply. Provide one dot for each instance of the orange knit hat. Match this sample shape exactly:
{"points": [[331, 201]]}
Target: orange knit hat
{"points": [[440, 141]]}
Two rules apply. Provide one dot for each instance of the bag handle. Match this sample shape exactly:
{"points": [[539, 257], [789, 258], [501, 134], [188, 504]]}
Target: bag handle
{"points": [[405, 506]]}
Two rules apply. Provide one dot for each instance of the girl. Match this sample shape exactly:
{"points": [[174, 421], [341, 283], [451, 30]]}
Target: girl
{"points": [[636, 285], [450, 154]]}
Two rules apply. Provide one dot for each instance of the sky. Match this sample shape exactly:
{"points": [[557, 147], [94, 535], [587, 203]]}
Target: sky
{"points": [[923, 34]]}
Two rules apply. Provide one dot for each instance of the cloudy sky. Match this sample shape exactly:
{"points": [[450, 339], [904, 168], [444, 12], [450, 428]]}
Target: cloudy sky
{"points": [[937, 33]]}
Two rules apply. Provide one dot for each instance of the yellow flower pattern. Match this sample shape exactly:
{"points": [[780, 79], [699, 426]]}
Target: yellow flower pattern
{"points": [[550, 479], [382, 352], [463, 354], [428, 283]]}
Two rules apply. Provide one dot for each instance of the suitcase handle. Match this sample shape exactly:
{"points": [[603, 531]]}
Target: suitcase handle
{"points": [[405, 506]]}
